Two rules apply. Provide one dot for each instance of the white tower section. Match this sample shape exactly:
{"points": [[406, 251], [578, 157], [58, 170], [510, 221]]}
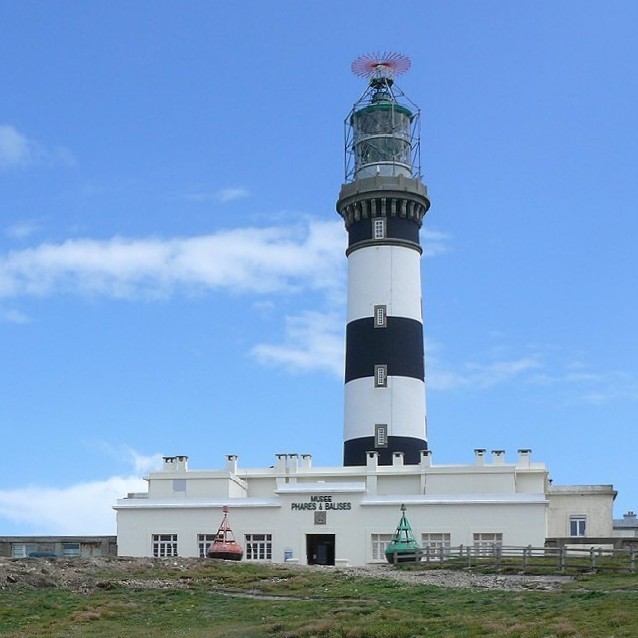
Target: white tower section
{"points": [[383, 203]]}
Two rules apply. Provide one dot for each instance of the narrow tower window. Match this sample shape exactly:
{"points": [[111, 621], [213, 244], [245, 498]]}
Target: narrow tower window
{"points": [[380, 317], [380, 435], [380, 376], [378, 228]]}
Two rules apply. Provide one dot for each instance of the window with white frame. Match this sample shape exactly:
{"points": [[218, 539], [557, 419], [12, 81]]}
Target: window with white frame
{"points": [[487, 542], [258, 547], [438, 543], [577, 525], [203, 543], [380, 316], [164, 545], [381, 435], [380, 376], [380, 543], [378, 228]]}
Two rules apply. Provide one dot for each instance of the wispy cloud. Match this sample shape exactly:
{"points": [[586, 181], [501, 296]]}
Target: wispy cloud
{"points": [[312, 341], [478, 375], [222, 196], [231, 194], [18, 151], [22, 230], [13, 316], [595, 388], [82, 508], [544, 370], [434, 242], [257, 260]]}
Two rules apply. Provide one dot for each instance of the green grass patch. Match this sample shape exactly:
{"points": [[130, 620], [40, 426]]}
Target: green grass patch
{"points": [[220, 600]]}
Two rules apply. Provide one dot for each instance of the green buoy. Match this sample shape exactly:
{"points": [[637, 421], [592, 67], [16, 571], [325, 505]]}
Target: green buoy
{"points": [[403, 547]]}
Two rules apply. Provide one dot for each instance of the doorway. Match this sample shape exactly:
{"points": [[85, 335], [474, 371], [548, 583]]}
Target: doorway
{"points": [[320, 549]]}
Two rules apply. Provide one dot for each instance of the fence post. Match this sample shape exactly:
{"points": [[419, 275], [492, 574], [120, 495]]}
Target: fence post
{"points": [[592, 558], [632, 560], [497, 557], [562, 557]]}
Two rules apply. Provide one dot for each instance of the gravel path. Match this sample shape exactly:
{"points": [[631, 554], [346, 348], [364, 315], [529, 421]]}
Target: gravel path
{"points": [[459, 578]]}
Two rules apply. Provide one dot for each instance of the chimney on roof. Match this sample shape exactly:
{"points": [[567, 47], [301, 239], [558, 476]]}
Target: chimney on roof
{"points": [[231, 463], [498, 457]]}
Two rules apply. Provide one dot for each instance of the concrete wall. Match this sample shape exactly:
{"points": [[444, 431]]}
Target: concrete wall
{"points": [[89, 545]]}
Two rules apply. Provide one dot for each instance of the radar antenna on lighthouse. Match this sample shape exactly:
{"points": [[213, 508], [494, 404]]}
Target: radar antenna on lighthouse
{"points": [[381, 65]]}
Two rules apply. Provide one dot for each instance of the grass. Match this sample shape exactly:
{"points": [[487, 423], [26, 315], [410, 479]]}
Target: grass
{"points": [[215, 600]]}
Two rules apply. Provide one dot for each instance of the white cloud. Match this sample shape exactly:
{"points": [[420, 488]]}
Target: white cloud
{"points": [[478, 375], [84, 508], [222, 196], [21, 230], [595, 388], [231, 194], [434, 242], [142, 464], [18, 151], [15, 149], [573, 382], [257, 260], [13, 316], [313, 341]]}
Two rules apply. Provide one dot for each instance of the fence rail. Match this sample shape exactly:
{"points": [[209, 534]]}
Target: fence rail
{"points": [[524, 559]]}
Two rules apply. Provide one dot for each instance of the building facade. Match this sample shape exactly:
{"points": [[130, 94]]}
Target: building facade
{"points": [[335, 515]]}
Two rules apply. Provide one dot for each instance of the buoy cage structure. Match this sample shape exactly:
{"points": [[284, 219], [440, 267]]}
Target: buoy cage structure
{"points": [[403, 547], [225, 546]]}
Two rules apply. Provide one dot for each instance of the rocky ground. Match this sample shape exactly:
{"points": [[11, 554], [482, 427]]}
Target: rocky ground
{"points": [[89, 574], [461, 578]]}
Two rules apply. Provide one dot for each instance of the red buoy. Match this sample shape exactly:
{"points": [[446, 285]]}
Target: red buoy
{"points": [[225, 546]]}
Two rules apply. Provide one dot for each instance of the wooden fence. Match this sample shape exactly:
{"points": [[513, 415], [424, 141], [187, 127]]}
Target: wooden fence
{"points": [[500, 558]]}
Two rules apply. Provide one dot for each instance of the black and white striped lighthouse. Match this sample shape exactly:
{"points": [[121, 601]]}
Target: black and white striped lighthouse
{"points": [[383, 202]]}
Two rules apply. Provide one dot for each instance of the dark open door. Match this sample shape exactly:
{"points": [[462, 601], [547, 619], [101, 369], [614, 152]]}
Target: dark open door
{"points": [[320, 549]]}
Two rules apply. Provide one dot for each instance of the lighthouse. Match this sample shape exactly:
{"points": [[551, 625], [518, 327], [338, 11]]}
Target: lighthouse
{"points": [[382, 203]]}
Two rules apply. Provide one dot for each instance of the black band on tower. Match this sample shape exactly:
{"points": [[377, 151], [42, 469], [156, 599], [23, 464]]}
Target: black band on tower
{"points": [[396, 228], [399, 346], [354, 451]]}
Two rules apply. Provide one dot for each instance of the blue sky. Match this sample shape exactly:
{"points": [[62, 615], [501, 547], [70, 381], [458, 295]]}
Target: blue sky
{"points": [[172, 269]]}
